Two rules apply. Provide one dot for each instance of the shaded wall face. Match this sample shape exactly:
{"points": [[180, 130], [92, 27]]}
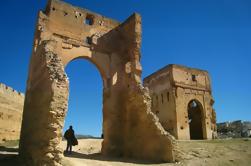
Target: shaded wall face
{"points": [[163, 100]]}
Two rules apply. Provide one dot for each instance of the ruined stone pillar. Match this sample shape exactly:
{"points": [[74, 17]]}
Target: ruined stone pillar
{"points": [[45, 108]]}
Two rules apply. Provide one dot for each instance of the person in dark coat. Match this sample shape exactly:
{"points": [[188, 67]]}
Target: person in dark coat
{"points": [[70, 137]]}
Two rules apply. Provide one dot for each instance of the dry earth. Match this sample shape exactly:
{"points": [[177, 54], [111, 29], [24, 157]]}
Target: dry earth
{"points": [[212, 153]]}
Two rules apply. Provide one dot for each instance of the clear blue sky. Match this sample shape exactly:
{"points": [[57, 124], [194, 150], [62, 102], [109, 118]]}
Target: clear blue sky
{"points": [[214, 35]]}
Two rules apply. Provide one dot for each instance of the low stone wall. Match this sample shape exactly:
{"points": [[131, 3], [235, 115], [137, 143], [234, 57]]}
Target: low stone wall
{"points": [[234, 129], [11, 109]]}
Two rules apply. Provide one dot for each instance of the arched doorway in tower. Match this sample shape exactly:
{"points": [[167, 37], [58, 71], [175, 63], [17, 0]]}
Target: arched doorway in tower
{"points": [[85, 103], [195, 115]]}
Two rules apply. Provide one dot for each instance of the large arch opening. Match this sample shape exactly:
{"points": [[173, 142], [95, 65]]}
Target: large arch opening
{"points": [[195, 112], [85, 105]]}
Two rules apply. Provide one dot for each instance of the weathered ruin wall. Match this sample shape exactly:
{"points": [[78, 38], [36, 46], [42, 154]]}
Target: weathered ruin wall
{"points": [[127, 119], [148, 139], [11, 109], [45, 108]]}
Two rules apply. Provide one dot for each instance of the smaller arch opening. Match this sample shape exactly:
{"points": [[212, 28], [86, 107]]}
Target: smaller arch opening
{"points": [[195, 111]]}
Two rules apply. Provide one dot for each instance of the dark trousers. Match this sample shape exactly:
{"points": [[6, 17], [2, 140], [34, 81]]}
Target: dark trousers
{"points": [[69, 146]]}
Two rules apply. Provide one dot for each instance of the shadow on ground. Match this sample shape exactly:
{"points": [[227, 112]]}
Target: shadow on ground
{"points": [[7, 149], [9, 156], [100, 157]]}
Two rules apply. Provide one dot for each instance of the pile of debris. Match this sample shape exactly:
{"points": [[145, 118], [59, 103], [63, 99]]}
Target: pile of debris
{"points": [[234, 129]]}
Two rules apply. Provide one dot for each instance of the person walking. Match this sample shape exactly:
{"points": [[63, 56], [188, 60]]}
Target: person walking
{"points": [[70, 137]]}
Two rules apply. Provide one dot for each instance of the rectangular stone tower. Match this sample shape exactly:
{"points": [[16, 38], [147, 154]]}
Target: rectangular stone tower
{"points": [[182, 99]]}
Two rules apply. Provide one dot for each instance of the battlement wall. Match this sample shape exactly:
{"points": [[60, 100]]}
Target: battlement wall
{"points": [[8, 91], [11, 110]]}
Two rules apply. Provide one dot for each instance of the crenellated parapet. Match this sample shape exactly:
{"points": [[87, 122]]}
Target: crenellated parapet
{"points": [[10, 92], [11, 111]]}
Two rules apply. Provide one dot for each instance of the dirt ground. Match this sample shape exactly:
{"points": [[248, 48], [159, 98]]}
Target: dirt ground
{"points": [[195, 153]]}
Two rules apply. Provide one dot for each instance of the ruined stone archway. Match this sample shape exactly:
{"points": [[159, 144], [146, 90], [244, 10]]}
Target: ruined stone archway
{"points": [[195, 116], [63, 34]]}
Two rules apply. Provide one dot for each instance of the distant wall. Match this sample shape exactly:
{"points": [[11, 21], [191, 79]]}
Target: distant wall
{"points": [[11, 109], [234, 129]]}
